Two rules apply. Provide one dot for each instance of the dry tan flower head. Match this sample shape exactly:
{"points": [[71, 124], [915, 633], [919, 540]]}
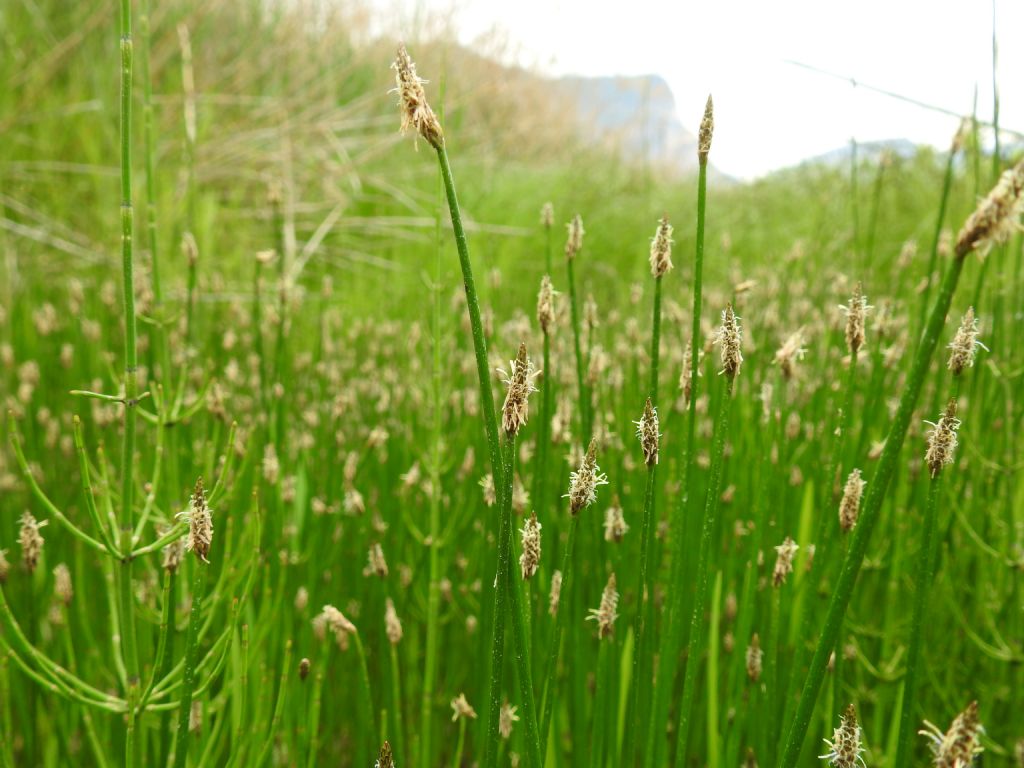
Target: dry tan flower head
{"points": [[648, 434], [942, 440], [784, 561], [849, 506], [62, 588], [605, 614], [729, 338], [661, 248], [547, 215], [957, 747], [686, 376], [506, 717], [556, 593], [376, 564], [845, 750], [200, 523], [334, 620], [529, 560], [392, 624], [461, 708], [416, 112], [754, 658], [996, 217], [574, 242], [520, 385], [964, 344], [31, 541], [584, 482], [791, 351], [615, 527], [855, 312], [707, 128], [546, 305]]}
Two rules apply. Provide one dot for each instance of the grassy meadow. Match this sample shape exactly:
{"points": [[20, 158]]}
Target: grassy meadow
{"points": [[328, 444]]}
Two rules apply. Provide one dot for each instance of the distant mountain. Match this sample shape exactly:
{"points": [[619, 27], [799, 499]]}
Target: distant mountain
{"points": [[636, 114]]}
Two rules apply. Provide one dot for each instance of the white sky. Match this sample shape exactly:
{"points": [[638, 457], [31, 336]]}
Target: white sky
{"points": [[769, 114]]}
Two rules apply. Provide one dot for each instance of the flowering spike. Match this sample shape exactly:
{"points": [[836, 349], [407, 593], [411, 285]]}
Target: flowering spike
{"points": [[606, 614], [647, 433], [845, 750], [942, 440], [997, 216], [520, 384], [707, 128], [661, 248], [416, 112], [584, 482], [200, 523], [964, 344], [574, 242], [530, 558], [729, 337], [849, 506]]}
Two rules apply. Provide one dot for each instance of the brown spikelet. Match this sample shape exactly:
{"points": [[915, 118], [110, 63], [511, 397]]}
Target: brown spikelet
{"points": [[392, 624], [784, 561], [529, 560], [729, 339], [31, 541], [791, 351], [647, 433], [574, 241], [384, 758], [506, 717], [520, 385], [62, 588], [416, 112], [200, 523], [845, 747], [707, 128], [584, 482], [547, 215], [997, 215], [605, 614], [615, 526], [965, 344], [661, 249], [856, 312], [957, 747], [754, 658], [546, 305], [461, 708], [942, 440], [849, 506], [556, 593], [304, 666]]}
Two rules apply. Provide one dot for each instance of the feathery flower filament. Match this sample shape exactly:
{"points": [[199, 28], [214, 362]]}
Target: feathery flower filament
{"points": [[506, 717], [546, 305], [392, 624], [30, 540], [416, 112], [461, 708], [791, 351], [856, 311], [584, 482], [200, 523], [615, 526], [997, 215], [942, 440], [334, 620], [957, 747], [784, 561], [574, 242]]}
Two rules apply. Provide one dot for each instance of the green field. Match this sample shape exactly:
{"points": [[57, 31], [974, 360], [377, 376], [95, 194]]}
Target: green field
{"points": [[264, 500]]}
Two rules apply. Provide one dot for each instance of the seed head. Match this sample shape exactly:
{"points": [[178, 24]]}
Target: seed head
{"points": [[965, 344], [957, 747], [574, 242], [754, 658], [384, 758], [647, 433], [784, 561], [506, 717], [729, 337], [304, 665], [615, 527], [707, 128], [530, 558], [376, 565], [942, 440], [62, 588], [845, 750], [661, 248], [556, 593], [849, 506], [546, 305], [605, 614], [791, 351], [200, 523], [461, 708], [997, 216], [855, 311], [334, 620], [412, 100], [584, 482], [31, 541], [686, 377], [392, 624], [547, 215], [520, 384]]}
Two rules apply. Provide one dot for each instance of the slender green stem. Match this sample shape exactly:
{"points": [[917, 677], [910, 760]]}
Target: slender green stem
{"points": [[655, 340], [672, 636], [282, 695], [476, 324], [191, 653], [551, 665], [540, 470], [695, 645], [923, 578], [877, 488], [584, 397], [644, 586]]}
